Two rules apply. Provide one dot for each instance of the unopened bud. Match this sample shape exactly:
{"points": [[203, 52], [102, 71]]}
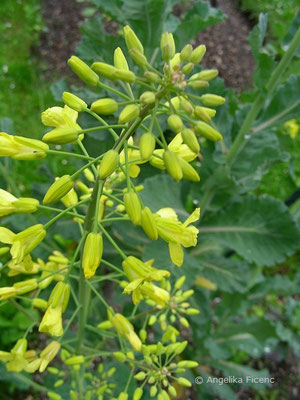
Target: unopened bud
{"points": [[54, 396], [175, 123], [140, 376], [212, 100], [138, 393], [104, 69], [190, 139], [119, 356], [186, 53], [147, 98], [73, 101], [40, 303], [172, 164], [198, 84], [188, 172], [123, 75], [75, 360], [152, 320], [187, 364], [184, 382], [188, 68], [148, 223], [120, 61], [205, 283], [167, 46], [197, 54], [192, 311], [104, 325], [186, 106], [133, 207], [92, 254], [109, 163], [153, 391], [138, 57], [172, 391], [58, 189], [208, 131], [132, 41], [200, 112], [61, 136], [143, 335], [206, 75], [147, 145], [104, 106], [83, 71], [129, 113], [151, 76]]}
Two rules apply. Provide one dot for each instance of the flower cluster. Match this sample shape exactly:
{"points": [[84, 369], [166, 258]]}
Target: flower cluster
{"points": [[95, 196]]}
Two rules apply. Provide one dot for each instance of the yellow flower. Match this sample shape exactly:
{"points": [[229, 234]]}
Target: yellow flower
{"points": [[138, 273], [60, 117], [292, 127], [15, 359], [21, 148], [176, 233], [10, 204], [134, 158], [27, 266], [159, 295], [125, 329], [176, 146], [56, 263], [48, 354], [26, 241]]}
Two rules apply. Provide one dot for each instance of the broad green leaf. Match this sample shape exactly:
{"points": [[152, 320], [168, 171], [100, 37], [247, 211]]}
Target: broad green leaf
{"points": [[257, 36], [283, 106], [162, 191], [240, 371], [198, 18], [229, 275], [259, 229], [260, 152]]}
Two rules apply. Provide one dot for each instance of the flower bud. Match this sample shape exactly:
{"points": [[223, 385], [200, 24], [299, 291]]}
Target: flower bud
{"points": [[205, 283], [26, 241], [104, 69], [180, 282], [83, 71], [202, 114], [123, 396], [140, 376], [143, 335], [147, 145], [26, 205], [188, 68], [153, 391], [104, 106], [151, 76], [4, 250], [192, 311], [70, 199], [120, 61], [187, 364], [48, 354], [172, 164], [119, 356], [212, 100], [129, 113], [184, 322], [109, 163], [104, 325], [198, 54], [186, 53], [197, 84], [184, 382], [125, 329], [132, 41], [138, 57], [206, 75], [188, 172], [208, 131], [75, 360], [175, 123], [123, 75], [186, 106], [40, 303], [92, 254], [148, 223], [148, 98], [152, 320], [61, 136], [172, 391], [133, 207], [190, 139], [73, 101], [167, 46], [138, 393], [58, 189]]}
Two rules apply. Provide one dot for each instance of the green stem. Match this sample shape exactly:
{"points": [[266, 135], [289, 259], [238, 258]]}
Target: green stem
{"points": [[63, 212], [67, 154], [110, 130], [83, 149], [114, 244], [58, 210], [115, 91]]}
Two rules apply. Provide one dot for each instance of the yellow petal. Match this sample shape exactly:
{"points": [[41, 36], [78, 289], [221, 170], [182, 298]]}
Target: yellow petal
{"points": [[6, 236], [176, 253], [193, 217]]}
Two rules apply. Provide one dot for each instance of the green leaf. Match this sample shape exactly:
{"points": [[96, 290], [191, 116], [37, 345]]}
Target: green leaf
{"points": [[198, 18], [229, 275], [291, 32], [260, 152], [283, 106], [257, 36], [259, 229], [240, 371]]}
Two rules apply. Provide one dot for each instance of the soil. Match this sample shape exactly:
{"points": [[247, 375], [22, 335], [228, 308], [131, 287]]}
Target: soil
{"points": [[227, 46]]}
